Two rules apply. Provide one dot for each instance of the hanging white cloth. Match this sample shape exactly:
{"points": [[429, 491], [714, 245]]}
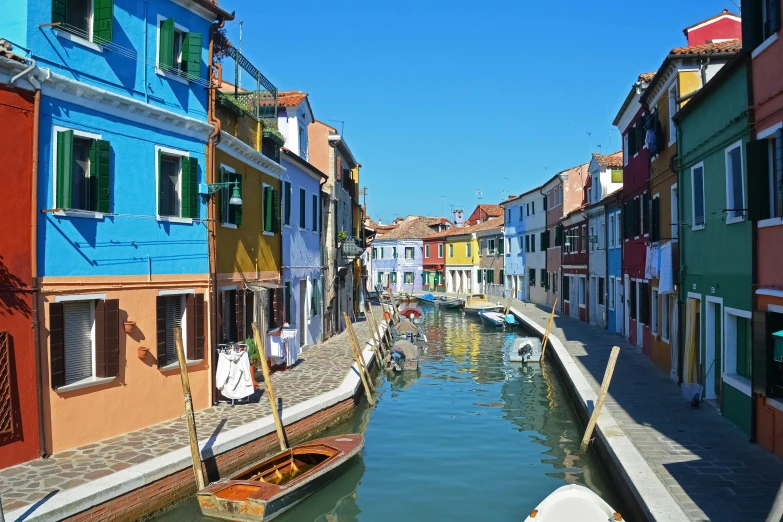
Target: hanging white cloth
{"points": [[666, 277], [233, 375]]}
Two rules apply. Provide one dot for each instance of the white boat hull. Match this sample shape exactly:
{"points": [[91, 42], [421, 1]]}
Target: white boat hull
{"points": [[573, 503]]}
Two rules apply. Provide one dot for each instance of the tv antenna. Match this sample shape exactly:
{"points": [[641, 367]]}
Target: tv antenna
{"points": [[589, 142], [342, 125]]}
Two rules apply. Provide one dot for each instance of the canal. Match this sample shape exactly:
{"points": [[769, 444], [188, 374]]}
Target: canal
{"points": [[469, 436]]}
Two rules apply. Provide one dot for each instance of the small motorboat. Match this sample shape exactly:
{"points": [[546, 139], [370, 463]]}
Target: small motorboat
{"points": [[404, 355], [427, 298], [450, 302], [526, 349], [409, 331], [405, 297], [573, 503], [264, 490], [497, 318], [411, 313]]}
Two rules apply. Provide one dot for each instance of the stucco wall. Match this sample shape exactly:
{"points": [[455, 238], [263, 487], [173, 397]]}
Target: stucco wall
{"points": [[767, 82]]}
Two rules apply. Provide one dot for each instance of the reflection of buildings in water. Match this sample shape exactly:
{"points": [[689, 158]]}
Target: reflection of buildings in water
{"points": [[401, 380], [532, 402]]}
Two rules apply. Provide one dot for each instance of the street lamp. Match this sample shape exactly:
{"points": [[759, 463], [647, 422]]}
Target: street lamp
{"points": [[236, 197]]}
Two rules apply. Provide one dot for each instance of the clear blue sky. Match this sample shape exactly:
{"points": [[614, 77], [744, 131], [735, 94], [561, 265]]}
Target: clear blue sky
{"points": [[443, 98]]}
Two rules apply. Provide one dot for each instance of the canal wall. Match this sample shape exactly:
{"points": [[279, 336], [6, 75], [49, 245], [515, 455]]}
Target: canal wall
{"points": [[145, 488], [645, 496]]}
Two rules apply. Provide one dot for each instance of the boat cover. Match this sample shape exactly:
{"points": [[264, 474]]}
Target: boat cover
{"points": [[410, 350], [407, 327]]}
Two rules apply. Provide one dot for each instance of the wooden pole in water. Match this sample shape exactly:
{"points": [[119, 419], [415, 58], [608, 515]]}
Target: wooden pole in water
{"points": [[261, 343], [358, 356], [548, 328], [377, 347], [508, 303], [193, 438], [357, 350], [601, 396], [376, 329], [394, 305]]}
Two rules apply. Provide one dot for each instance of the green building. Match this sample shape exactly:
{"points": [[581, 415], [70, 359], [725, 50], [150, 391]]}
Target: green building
{"points": [[716, 241]]}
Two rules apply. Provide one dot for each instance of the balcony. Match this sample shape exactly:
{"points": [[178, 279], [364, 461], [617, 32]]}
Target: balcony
{"points": [[350, 249]]}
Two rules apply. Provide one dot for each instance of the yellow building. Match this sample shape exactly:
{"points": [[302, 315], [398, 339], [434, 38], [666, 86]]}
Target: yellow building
{"points": [[463, 256]]}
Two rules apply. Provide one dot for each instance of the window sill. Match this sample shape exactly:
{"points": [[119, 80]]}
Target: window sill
{"points": [[665, 339], [228, 225], [582, 306], [170, 76], [774, 403], [84, 42], [175, 365], [85, 383], [175, 219], [86, 214], [695, 228], [265, 232], [731, 221], [763, 45], [737, 382], [771, 222], [287, 226]]}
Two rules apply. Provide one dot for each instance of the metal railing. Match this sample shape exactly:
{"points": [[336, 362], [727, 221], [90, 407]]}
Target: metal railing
{"points": [[261, 103], [351, 248]]}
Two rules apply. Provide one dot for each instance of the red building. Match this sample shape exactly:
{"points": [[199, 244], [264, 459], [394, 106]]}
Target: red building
{"points": [[635, 199], [19, 435], [725, 26], [575, 264], [434, 261], [483, 213]]}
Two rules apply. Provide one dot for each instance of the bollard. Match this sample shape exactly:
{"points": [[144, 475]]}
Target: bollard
{"points": [[601, 396]]}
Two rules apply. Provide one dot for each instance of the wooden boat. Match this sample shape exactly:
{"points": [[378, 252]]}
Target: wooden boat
{"points": [[405, 297], [411, 311], [475, 308], [526, 349], [450, 302], [404, 355], [427, 298], [497, 318], [408, 330], [266, 489], [573, 503]]}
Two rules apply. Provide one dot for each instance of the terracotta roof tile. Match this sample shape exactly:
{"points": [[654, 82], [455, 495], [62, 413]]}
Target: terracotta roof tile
{"points": [[646, 77], [612, 161], [415, 228], [492, 210], [729, 46], [290, 98]]}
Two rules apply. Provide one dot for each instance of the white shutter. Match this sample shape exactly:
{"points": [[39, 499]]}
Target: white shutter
{"points": [[77, 323], [174, 311]]}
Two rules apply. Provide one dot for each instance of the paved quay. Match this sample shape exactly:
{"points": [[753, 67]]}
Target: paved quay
{"points": [[707, 464], [321, 369]]}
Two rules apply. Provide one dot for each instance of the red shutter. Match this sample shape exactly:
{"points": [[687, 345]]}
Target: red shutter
{"points": [[57, 345], [339, 169], [160, 304], [190, 313], [200, 318]]}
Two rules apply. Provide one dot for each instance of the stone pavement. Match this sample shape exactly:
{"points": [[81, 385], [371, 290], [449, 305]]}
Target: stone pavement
{"points": [[706, 462], [321, 369]]}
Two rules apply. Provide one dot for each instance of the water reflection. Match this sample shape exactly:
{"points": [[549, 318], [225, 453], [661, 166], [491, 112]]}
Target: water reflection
{"points": [[468, 436]]}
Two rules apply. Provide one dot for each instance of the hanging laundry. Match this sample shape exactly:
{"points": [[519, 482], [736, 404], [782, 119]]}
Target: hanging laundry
{"points": [[666, 277], [649, 139], [659, 141], [650, 262], [232, 376]]}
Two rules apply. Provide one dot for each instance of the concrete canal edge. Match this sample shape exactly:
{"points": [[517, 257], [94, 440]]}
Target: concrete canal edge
{"points": [[147, 487], [640, 487]]}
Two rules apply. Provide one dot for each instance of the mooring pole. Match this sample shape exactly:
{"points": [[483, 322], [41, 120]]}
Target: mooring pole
{"points": [[601, 396], [183, 373], [548, 329], [268, 383], [360, 363], [376, 346]]}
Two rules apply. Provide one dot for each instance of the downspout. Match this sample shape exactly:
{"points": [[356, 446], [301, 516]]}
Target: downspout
{"points": [[34, 255], [146, 87], [683, 296], [212, 142], [755, 399]]}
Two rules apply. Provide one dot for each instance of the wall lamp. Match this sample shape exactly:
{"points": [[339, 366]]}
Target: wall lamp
{"points": [[210, 188]]}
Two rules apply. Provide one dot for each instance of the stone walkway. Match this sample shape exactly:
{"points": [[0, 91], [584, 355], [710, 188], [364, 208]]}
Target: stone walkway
{"points": [[321, 369], [706, 462]]}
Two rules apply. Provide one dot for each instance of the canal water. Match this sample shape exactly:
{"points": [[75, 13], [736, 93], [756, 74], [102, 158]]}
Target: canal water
{"points": [[469, 437]]}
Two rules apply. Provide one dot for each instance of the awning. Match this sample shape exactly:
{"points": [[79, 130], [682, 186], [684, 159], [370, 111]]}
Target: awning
{"points": [[256, 287]]}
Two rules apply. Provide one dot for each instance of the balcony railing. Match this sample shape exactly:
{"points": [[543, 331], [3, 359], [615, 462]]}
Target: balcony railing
{"points": [[350, 249], [260, 103]]}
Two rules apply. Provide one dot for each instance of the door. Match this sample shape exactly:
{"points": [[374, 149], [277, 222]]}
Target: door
{"points": [[712, 350], [674, 336], [574, 297], [593, 301], [639, 325], [304, 314], [627, 308], [619, 313]]}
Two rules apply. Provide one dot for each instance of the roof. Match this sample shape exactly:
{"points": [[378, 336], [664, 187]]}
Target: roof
{"points": [[514, 198], [729, 46], [491, 210], [290, 98], [212, 5], [610, 161], [491, 224], [646, 77], [725, 12], [641, 84], [416, 228]]}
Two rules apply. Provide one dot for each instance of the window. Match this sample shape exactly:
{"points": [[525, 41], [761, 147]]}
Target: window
{"points": [[765, 188], [302, 142], [542, 278], [77, 321], [582, 291], [654, 323], [469, 250], [375, 253], [315, 213], [532, 242], [735, 192], [175, 318], [655, 219], [408, 278], [601, 291], [644, 302], [527, 243], [521, 214], [271, 208], [232, 214], [673, 107], [393, 278], [179, 51], [775, 167], [674, 212], [617, 229], [380, 278], [440, 249], [532, 276], [480, 276], [508, 245], [528, 209], [566, 289], [544, 240], [508, 215], [645, 215], [583, 238], [612, 282], [88, 19], [521, 240], [394, 252], [426, 251], [625, 149], [409, 253], [770, 18], [592, 234], [533, 207], [664, 317], [738, 344], [697, 194], [315, 296], [632, 311], [82, 172], [611, 231], [451, 250], [287, 203], [490, 246], [302, 209]]}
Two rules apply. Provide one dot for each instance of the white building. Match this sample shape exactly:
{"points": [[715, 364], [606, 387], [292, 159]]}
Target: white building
{"points": [[530, 242]]}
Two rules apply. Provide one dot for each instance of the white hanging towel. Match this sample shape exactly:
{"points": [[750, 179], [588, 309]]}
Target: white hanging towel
{"points": [[233, 380], [666, 278]]}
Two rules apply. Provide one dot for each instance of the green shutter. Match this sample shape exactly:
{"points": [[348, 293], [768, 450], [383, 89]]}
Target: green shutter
{"points": [[190, 187], [758, 179], [774, 16], [100, 176], [751, 25], [59, 8], [287, 196], [267, 209], [166, 44], [191, 55], [103, 16], [64, 169], [479, 276], [656, 220], [315, 213], [275, 211]]}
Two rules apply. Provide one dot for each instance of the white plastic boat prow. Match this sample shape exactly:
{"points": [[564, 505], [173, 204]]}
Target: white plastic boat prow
{"points": [[573, 503]]}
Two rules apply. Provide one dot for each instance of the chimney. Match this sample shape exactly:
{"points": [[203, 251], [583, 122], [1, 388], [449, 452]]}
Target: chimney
{"points": [[512, 196], [458, 218]]}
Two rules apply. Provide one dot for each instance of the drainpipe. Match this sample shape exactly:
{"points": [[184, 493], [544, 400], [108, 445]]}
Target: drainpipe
{"points": [[146, 87], [755, 399], [212, 142], [34, 254]]}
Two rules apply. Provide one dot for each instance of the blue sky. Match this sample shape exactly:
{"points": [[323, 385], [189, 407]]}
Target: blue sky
{"points": [[444, 98]]}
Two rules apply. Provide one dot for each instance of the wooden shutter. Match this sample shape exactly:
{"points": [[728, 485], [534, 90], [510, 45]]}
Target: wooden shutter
{"points": [[645, 213], [632, 140], [773, 15], [190, 187], [762, 354], [751, 25], [288, 297], [190, 338], [198, 327], [160, 323], [339, 169], [100, 175], [315, 213], [777, 173], [191, 55], [64, 168], [302, 208], [57, 345], [166, 44], [59, 8], [107, 338], [758, 179], [103, 16], [479, 276], [639, 128], [239, 312], [275, 210], [268, 209], [220, 318], [160, 181], [656, 219], [287, 202]]}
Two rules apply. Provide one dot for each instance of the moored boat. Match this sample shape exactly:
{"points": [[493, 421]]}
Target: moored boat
{"points": [[427, 298], [411, 313], [497, 318], [404, 355], [450, 302], [573, 503], [266, 489], [526, 349]]}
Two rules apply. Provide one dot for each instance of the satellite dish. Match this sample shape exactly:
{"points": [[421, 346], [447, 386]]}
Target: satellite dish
{"points": [[479, 194]]}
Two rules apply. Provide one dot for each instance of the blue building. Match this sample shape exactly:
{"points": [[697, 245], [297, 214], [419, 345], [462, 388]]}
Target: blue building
{"points": [[614, 263], [514, 232], [122, 240], [302, 260]]}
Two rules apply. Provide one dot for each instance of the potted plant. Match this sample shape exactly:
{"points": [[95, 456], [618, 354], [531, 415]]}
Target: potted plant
{"points": [[341, 237], [129, 326], [143, 351], [255, 358]]}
